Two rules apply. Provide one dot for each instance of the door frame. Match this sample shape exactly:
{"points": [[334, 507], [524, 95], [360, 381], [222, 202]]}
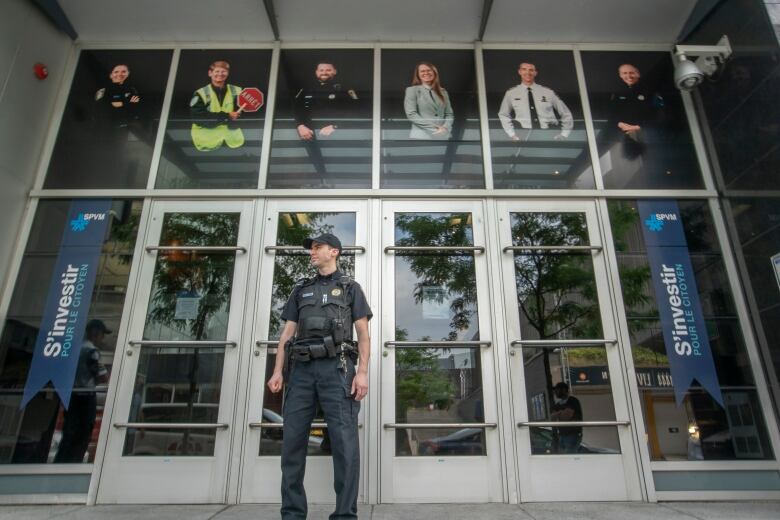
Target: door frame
{"points": [[488, 481], [533, 489], [257, 479], [164, 468]]}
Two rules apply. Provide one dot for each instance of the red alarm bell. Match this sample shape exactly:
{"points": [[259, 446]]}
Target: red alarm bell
{"points": [[41, 71]]}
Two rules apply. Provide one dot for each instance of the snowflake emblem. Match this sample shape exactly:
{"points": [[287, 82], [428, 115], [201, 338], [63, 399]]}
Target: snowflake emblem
{"points": [[653, 224], [79, 223]]}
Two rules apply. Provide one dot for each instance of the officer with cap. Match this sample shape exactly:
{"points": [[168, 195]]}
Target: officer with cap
{"points": [[82, 412], [317, 359]]}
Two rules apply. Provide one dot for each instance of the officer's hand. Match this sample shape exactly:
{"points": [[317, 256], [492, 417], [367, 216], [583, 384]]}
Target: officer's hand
{"points": [[135, 99], [360, 386], [327, 130], [305, 133], [234, 115], [275, 383], [559, 137], [515, 138]]}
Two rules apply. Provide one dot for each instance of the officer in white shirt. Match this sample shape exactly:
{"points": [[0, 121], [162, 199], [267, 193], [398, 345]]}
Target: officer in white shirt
{"points": [[531, 105]]}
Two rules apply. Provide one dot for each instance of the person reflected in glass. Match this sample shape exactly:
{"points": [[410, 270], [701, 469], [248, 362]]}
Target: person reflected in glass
{"points": [[427, 105], [214, 110], [566, 408], [319, 105], [533, 106], [82, 410]]}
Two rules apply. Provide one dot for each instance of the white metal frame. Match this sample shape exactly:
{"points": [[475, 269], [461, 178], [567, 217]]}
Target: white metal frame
{"points": [[260, 477], [568, 477], [491, 197], [440, 478], [203, 478]]}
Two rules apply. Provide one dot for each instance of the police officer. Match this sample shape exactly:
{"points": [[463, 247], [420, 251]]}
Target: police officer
{"points": [[118, 102], [214, 109], [634, 109], [534, 106], [318, 106], [316, 344]]}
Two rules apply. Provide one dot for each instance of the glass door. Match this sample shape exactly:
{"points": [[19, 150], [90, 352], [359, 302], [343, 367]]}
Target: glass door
{"points": [[438, 438], [568, 388], [283, 262], [170, 440]]}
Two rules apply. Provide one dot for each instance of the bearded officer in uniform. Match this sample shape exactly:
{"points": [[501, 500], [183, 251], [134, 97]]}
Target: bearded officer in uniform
{"points": [[534, 106], [317, 359]]}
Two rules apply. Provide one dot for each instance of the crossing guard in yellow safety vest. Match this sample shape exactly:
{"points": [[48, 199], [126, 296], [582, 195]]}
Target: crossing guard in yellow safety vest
{"points": [[215, 107]]}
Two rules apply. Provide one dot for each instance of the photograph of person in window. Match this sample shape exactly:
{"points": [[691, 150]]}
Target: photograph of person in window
{"points": [[427, 105], [531, 106], [319, 104], [213, 109]]}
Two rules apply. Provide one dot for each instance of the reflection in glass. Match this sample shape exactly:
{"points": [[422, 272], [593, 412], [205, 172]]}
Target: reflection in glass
{"points": [[322, 134], [640, 123], [190, 300], [595, 440], [210, 140], [430, 120], [109, 126], [289, 267], [537, 136], [43, 431], [436, 300], [700, 429]]}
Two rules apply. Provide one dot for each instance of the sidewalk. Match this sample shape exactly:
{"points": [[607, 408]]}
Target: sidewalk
{"points": [[549, 511]]}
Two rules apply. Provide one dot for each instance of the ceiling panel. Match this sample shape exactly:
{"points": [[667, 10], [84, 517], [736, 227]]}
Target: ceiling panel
{"points": [[583, 21], [371, 20], [527, 21], [169, 20]]}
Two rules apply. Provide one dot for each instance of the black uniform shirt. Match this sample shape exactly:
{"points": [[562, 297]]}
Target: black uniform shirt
{"points": [[355, 297], [635, 105], [573, 404], [325, 101]]}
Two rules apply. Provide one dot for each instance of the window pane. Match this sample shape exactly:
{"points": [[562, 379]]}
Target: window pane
{"points": [[641, 129], [430, 120], [323, 120], [210, 142], [43, 431], [109, 126], [700, 429], [540, 144]]}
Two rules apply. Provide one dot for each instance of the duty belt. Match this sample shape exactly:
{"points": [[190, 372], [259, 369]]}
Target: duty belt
{"points": [[326, 349]]}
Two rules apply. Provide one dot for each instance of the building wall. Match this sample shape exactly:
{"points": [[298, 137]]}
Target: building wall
{"points": [[26, 108], [742, 111]]}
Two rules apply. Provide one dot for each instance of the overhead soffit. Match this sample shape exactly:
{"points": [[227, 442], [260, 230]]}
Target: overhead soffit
{"points": [[526, 21]]}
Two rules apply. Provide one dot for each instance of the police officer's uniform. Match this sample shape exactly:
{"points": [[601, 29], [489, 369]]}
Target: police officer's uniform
{"points": [[210, 108], [546, 105], [322, 367], [114, 104], [324, 101]]}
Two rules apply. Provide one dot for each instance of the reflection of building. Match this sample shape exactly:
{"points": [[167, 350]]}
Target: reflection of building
{"points": [[495, 269]]}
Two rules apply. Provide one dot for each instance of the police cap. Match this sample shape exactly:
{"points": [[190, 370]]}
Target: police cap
{"points": [[325, 238]]}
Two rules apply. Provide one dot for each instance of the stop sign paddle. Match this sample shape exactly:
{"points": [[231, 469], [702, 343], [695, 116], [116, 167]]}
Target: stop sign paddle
{"points": [[250, 100]]}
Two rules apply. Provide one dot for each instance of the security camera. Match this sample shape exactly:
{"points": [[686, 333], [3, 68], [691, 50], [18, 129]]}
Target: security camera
{"points": [[689, 74]]}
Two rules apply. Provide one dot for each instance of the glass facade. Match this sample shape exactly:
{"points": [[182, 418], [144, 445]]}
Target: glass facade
{"points": [[319, 126]]}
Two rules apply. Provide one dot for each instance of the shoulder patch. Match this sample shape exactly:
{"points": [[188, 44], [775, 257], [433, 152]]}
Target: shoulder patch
{"points": [[302, 282], [194, 100], [352, 94], [99, 94]]}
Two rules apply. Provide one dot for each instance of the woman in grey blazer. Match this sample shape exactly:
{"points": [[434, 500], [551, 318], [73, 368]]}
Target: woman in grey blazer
{"points": [[427, 105]]}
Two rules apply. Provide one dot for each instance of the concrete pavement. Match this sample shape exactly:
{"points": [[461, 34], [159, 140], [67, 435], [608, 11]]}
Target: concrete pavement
{"points": [[541, 511]]}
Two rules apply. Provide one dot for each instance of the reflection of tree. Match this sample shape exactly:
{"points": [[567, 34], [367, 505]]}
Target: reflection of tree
{"points": [[419, 380], [293, 229], [207, 275], [453, 272]]}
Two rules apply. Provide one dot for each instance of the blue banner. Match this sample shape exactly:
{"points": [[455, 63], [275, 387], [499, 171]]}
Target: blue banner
{"points": [[682, 320], [56, 354]]}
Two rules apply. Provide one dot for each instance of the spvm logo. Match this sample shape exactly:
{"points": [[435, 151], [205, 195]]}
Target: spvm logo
{"points": [[81, 222], [656, 222]]}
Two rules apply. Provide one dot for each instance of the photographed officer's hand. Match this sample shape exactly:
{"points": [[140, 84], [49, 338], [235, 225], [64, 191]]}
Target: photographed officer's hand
{"points": [[305, 133], [327, 130], [276, 382]]}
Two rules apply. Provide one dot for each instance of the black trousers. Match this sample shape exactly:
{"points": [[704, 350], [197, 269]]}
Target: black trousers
{"points": [[311, 382]]}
